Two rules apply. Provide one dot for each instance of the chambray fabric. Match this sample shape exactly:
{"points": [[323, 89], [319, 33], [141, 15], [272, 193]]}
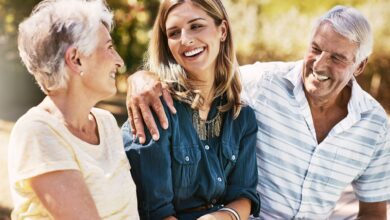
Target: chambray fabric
{"points": [[180, 171]]}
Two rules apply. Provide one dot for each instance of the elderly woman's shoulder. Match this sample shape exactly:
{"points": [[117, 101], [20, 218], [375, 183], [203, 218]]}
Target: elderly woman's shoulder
{"points": [[103, 115], [34, 115], [35, 121]]}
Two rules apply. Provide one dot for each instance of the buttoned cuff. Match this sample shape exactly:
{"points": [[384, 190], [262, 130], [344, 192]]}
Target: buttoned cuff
{"points": [[235, 192], [163, 212]]}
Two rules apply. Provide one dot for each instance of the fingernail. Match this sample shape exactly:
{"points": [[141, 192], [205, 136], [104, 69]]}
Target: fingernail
{"points": [[155, 137], [134, 136], [165, 125], [141, 140]]}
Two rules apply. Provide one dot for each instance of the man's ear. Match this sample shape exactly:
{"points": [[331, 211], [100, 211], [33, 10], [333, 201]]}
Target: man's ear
{"points": [[361, 67], [72, 59]]}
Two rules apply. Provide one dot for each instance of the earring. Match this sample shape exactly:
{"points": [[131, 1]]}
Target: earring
{"points": [[81, 73]]}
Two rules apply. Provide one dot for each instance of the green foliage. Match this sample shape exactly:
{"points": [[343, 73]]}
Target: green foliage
{"points": [[133, 21], [12, 13]]}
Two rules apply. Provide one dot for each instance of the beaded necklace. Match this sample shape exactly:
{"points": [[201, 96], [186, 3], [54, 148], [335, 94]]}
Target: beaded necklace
{"points": [[207, 129]]}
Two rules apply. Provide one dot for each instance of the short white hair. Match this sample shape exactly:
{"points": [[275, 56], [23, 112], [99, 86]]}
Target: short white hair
{"points": [[54, 26], [351, 24]]}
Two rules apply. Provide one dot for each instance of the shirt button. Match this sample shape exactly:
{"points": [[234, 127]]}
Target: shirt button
{"points": [[219, 179], [207, 147], [187, 158], [213, 201], [233, 157]]}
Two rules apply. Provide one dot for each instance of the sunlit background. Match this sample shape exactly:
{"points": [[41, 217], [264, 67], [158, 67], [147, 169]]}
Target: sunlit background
{"points": [[264, 30]]}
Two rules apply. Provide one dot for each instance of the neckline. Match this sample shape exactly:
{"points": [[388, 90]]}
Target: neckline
{"points": [[58, 124]]}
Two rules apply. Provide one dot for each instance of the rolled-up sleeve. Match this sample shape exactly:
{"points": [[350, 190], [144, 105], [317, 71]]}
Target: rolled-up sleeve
{"points": [[374, 184], [151, 171], [243, 179]]}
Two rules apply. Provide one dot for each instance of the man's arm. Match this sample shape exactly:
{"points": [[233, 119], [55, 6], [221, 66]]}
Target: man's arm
{"points": [[144, 91], [372, 210], [374, 183]]}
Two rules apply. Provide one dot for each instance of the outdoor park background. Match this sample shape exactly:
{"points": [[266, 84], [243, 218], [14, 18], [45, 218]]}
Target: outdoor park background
{"points": [[264, 30]]}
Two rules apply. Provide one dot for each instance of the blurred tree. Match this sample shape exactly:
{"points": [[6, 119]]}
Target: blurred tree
{"points": [[133, 21], [17, 89], [280, 30], [264, 30]]}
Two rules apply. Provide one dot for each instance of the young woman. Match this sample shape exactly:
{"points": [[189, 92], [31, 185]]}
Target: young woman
{"points": [[204, 165], [66, 158]]}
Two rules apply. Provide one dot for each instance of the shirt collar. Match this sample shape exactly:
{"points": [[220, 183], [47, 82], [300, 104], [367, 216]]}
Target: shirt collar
{"points": [[358, 103], [295, 74]]}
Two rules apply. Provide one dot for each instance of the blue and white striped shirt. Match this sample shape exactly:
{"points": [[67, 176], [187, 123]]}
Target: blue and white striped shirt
{"points": [[299, 178]]}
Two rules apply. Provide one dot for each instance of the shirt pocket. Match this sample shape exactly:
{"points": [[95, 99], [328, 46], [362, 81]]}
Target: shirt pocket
{"points": [[348, 165], [230, 155], [185, 166]]}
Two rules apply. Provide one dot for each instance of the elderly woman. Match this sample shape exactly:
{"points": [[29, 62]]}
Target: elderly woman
{"points": [[66, 158]]}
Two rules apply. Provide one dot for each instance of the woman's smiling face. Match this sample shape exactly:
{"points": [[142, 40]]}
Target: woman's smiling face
{"points": [[194, 39]]}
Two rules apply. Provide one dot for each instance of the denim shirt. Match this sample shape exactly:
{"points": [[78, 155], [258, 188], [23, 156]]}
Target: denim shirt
{"points": [[180, 171]]}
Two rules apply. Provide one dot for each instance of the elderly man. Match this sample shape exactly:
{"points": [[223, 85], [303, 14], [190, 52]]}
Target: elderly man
{"points": [[318, 130]]}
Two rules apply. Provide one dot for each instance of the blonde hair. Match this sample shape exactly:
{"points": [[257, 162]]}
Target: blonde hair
{"points": [[161, 61], [54, 26]]}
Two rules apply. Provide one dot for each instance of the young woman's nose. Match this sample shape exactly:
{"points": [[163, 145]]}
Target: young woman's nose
{"points": [[186, 38]]}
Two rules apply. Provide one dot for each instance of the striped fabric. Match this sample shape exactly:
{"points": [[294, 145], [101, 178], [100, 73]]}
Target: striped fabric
{"points": [[298, 178]]}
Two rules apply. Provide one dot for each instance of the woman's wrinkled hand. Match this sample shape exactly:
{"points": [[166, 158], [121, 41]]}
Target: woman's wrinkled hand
{"points": [[143, 97]]}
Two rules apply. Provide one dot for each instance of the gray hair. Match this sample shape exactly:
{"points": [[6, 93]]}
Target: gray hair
{"points": [[351, 24], [54, 26]]}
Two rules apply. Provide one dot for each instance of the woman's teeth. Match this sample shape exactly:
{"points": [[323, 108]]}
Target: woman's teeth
{"points": [[193, 52], [320, 77]]}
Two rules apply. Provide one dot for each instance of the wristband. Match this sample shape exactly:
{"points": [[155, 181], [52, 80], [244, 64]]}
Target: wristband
{"points": [[231, 210]]}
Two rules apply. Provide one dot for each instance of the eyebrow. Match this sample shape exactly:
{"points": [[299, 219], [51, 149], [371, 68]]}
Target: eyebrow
{"points": [[341, 56], [315, 44], [189, 22], [334, 54], [109, 41]]}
